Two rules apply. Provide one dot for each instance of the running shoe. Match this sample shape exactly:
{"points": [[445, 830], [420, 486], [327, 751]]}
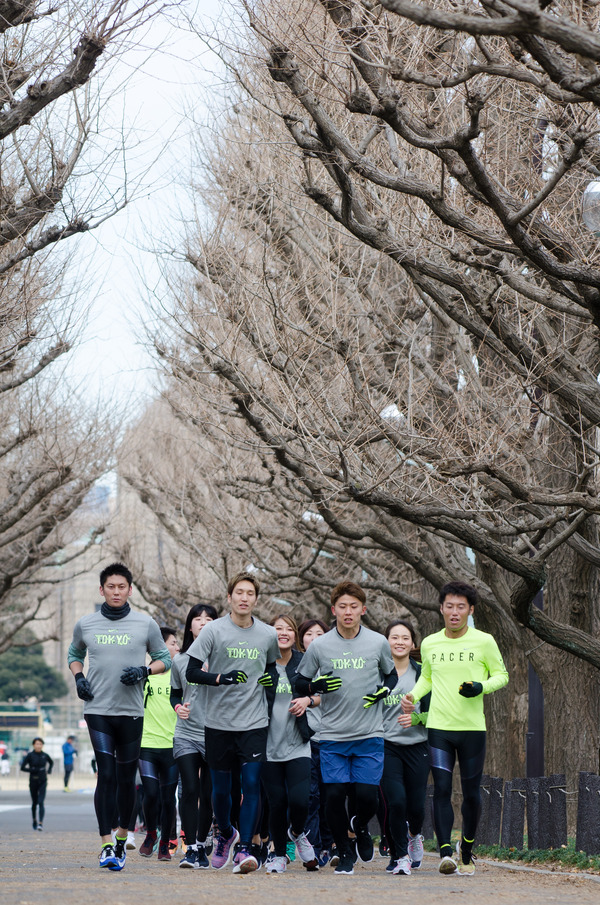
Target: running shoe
{"points": [[415, 850], [447, 865], [384, 850], [276, 864], [34, 824], [335, 858], [323, 857], [464, 870], [256, 852], [402, 866], [163, 851], [130, 846], [107, 857], [149, 845], [40, 827], [303, 846], [208, 843], [224, 849], [190, 859], [203, 862], [120, 854], [364, 843], [182, 840], [173, 845], [390, 867], [290, 851], [345, 864], [244, 861]]}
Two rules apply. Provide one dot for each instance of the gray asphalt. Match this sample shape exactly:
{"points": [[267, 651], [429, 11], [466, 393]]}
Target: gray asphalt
{"points": [[65, 812]]}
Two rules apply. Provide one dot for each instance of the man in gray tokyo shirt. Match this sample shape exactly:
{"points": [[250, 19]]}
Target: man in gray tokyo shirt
{"points": [[116, 640], [240, 652], [343, 665]]}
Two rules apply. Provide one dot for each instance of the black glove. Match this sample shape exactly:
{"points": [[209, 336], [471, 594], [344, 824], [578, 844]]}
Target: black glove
{"points": [[84, 689], [266, 680], [379, 694], [131, 675], [470, 689], [325, 684], [235, 677]]}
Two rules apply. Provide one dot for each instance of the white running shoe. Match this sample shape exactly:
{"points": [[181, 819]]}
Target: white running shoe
{"points": [[415, 850], [130, 844], [305, 850], [402, 866], [276, 864]]}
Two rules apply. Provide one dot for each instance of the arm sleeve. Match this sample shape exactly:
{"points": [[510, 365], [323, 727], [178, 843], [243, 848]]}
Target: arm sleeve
{"points": [[391, 679], [25, 765], [195, 674], [161, 654], [77, 648], [302, 686], [176, 696], [273, 651], [271, 669], [496, 668], [156, 646], [176, 682], [50, 762]]}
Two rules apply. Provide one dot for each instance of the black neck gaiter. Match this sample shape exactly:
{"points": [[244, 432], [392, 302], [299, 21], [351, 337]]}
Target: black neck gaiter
{"points": [[113, 612]]}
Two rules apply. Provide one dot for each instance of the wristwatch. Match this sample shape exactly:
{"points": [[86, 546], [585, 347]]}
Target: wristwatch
{"points": [[312, 701]]}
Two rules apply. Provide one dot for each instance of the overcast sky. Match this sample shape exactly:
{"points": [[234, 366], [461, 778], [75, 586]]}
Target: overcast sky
{"points": [[166, 76]]}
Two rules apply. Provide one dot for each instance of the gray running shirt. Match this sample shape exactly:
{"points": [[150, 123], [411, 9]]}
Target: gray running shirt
{"points": [[111, 645], [361, 663], [195, 695], [227, 647], [392, 730], [284, 741]]}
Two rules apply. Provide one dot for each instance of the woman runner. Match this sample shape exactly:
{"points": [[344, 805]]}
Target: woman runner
{"points": [[406, 759], [287, 771], [39, 766], [317, 828], [189, 748]]}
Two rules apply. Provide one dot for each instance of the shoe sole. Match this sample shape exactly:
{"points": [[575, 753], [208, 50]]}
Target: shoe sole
{"points": [[188, 866], [344, 873], [246, 867], [163, 858], [447, 869], [146, 854]]}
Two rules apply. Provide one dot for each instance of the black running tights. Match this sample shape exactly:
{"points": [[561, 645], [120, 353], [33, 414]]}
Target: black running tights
{"points": [[195, 805], [37, 790], [116, 742], [404, 785], [444, 747], [287, 784], [364, 804], [159, 775]]}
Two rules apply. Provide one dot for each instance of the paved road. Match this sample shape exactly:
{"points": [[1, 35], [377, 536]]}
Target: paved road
{"points": [[60, 866]]}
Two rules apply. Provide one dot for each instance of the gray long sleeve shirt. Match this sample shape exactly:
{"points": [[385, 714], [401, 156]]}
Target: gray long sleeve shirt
{"points": [[111, 646]]}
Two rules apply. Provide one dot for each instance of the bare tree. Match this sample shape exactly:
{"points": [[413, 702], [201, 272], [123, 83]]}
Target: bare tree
{"points": [[396, 311], [53, 166]]}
